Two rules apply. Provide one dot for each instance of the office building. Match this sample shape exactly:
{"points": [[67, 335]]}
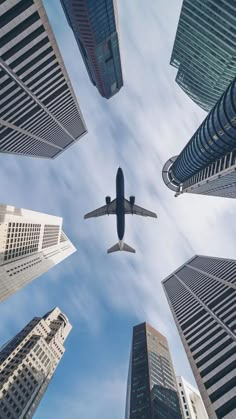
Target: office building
{"points": [[191, 401], [39, 114], [95, 27], [204, 50], [31, 243], [207, 164], [28, 362], [151, 389], [202, 298]]}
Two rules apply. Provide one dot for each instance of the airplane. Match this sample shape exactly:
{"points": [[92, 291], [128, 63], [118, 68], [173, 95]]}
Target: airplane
{"points": [[120, 207]]}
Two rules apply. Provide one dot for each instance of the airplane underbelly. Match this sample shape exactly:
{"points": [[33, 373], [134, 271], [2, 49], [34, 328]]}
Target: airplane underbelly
{"points": [[120, 226]]}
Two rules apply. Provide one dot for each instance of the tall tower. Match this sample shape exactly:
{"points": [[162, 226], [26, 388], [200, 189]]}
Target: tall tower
{"points": [[28, 361], [202, 298], [151, 388], [204, 51], [39, 114], [31, 243], [207, 164], [95, 27], [191, 401]]}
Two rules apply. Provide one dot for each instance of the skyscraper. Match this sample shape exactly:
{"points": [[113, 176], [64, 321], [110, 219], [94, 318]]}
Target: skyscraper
{"points": [[28, 361], [207, 164], [39, 114], [30, 244], [191, 401], [151, 388], [95, 27], [204, 51], [202, 298]]}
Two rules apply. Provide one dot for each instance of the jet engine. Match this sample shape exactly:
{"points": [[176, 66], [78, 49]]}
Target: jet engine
{"points": [[132, 200], [108, 200]]}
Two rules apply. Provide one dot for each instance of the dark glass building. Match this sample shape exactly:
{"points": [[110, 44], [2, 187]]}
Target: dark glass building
{"points": [[204, 51], [165, 403], [207, 164], [151, 389], [202, 297], [95, 27]]}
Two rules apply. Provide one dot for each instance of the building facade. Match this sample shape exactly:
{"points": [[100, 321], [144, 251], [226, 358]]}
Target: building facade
{"points": [[95, 27], [207, 164], [191, 401], [31, 243], [204, 50], [28, 361], [202, 298], [151, 389], [39, 114]]}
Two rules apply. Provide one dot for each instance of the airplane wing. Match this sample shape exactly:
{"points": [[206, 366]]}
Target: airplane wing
{"points": [[105, 210], [135, 209]]}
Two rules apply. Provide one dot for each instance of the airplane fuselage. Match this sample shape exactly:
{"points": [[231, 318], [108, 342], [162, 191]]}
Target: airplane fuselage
{"points": [[120, 207]]}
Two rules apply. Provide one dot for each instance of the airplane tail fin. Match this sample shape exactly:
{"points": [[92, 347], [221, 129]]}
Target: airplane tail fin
{"points": [[114, 248], [118, 246], [128, 248]]}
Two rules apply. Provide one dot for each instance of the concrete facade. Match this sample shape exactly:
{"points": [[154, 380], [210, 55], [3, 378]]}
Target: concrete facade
{"points": [[30, 244], [191, 401], [39, 115], [202, 298], [28, 361]]}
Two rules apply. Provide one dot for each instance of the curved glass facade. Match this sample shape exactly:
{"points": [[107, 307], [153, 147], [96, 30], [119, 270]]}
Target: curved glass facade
{"points": [[215, 137]]}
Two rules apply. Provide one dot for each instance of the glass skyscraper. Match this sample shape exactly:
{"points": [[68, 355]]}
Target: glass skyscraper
{"points": [[95, 27], [202, 297], [151, 389], [204, 51], [207, 164]]}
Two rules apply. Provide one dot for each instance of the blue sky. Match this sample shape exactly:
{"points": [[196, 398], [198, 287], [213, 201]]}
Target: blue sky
{"points": [[146, 123]]}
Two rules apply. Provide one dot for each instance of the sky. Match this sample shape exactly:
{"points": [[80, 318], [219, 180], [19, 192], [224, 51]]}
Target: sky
{"points": [[104, 296]]}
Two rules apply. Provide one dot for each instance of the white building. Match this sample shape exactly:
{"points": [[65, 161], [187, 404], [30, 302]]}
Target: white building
{"points": [[191, 401], [28, 361], [202, 297], [39, 115], [30, 244]]}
